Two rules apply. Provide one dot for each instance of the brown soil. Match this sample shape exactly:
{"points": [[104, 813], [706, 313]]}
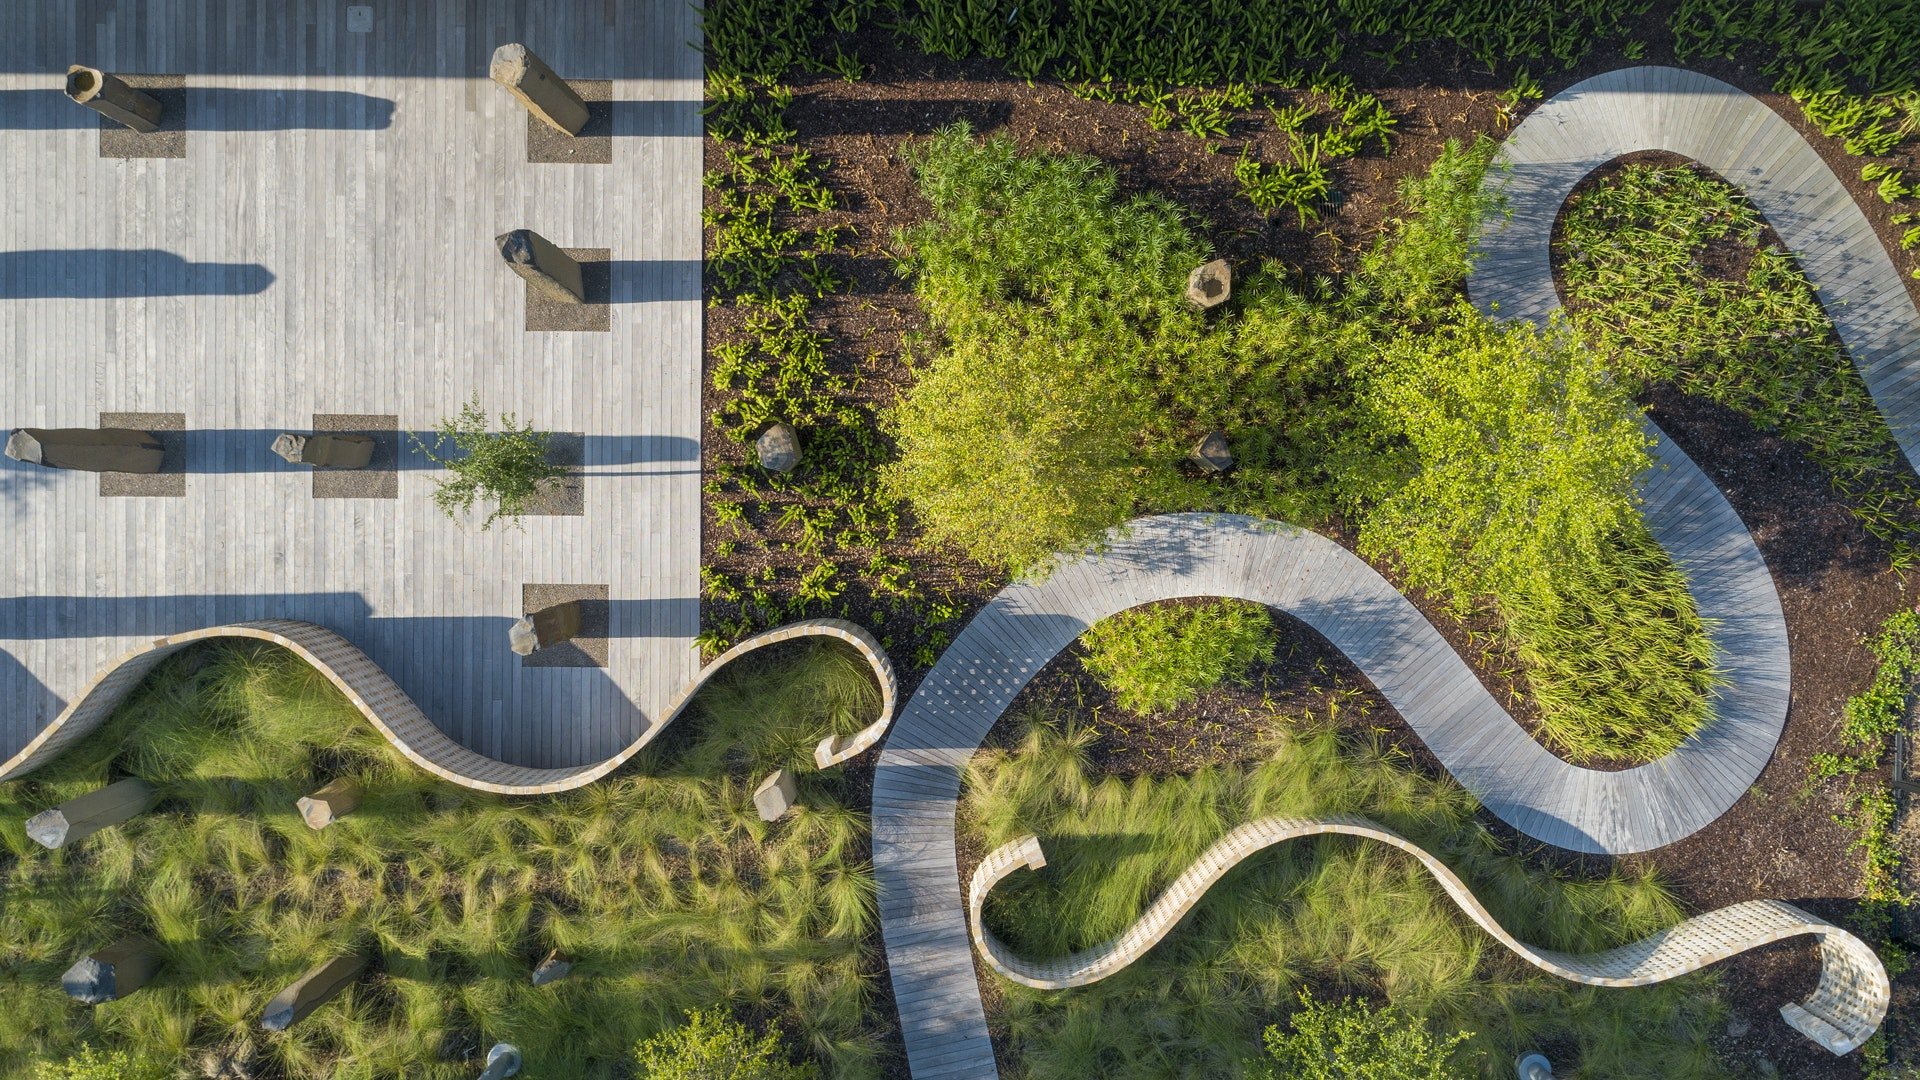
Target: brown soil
{"points": [[1777, 842]]}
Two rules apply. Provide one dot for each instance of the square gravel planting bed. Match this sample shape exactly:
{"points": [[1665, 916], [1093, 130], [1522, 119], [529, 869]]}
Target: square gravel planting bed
{"points": [[594, 316], [119, 141], [564, 496], [171, 481], [589, 647], [381, 478], [594, 144]]}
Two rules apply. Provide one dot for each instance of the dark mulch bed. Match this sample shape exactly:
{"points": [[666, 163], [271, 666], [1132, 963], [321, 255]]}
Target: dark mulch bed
{"points": [[1776, 842]]}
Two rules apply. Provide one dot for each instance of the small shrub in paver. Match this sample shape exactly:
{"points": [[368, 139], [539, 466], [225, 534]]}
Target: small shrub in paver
{"points": [[506, 467], [1155, 658]]}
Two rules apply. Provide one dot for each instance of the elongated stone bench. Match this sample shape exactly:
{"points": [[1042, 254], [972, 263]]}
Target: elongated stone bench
{"points": [[1843, 1011]]}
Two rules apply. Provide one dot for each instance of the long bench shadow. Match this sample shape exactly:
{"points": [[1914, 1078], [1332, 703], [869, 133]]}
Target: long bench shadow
{"points": [[118, 273], [214, 108]]}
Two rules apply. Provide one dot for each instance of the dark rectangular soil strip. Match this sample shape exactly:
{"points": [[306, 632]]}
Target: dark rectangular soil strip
{"points": [[171, 481]]}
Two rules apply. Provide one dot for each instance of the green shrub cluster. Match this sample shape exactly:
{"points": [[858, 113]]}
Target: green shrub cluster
{"points": [[1066, 377], [1351, 1040], [91, 1064], [1638, 288], [1155, 658], [661, 884], [1214, 42], [1337, 915], [713, 1046]]}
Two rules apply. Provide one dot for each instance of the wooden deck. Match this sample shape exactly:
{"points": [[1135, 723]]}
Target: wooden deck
{"points": [[325, 246]]}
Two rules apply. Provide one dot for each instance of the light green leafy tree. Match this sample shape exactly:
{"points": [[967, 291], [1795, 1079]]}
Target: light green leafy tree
{"points": [[507, 467], [1354, 1041], [713, 1046]]}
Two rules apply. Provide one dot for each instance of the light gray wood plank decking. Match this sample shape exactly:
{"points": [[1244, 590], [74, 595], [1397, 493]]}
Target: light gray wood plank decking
{"points": [[368, 174], [923, 914]]}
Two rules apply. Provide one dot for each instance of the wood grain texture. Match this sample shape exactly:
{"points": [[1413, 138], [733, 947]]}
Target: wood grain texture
{"points": [[367, 174]]}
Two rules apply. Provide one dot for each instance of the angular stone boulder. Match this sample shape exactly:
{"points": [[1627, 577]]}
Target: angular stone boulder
{"points": [[78, 818], [535, 86], [548, 626], [112, 98], [331, 803], [1209, 285], [87, 449], [113, 972], [326, 451], [776, 795], [312, 990], [779, 448], [554, 273], [1213, 453]]}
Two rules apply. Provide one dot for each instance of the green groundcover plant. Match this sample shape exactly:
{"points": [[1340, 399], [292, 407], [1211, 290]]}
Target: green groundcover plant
{"points": [[1155, 658], [713, 1046]]}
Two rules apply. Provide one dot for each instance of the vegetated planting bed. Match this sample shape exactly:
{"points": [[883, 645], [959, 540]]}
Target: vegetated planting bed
{"points": [[1833, 577], [660, 884]]}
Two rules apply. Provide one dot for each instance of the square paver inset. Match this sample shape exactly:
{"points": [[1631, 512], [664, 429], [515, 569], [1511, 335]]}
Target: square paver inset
{"points": [[171, 481], [119, 141], [564, 496], [594, 316], [381, 478], [588, 648], [594, 144]]}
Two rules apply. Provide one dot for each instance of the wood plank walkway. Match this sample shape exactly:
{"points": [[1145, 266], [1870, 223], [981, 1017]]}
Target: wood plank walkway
{"points": [[923, 914], [325, 246]]}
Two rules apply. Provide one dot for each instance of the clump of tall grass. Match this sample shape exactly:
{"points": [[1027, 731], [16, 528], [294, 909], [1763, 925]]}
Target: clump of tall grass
{"points": [[1760, 345], [661, 884], [1339, 915]]}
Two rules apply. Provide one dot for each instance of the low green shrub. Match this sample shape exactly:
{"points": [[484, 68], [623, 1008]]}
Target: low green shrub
{"points": [[1155, 658], [1351, 1040], [713, 1046]]}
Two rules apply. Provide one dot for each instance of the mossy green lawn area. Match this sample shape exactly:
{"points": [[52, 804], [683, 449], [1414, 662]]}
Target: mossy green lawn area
{"points": [[1491, 464], [1338, 916], [661, 884]]}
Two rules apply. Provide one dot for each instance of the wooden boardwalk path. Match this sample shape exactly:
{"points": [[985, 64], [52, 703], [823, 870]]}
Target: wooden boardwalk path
{"points": [[325, 246], [916, 786]]}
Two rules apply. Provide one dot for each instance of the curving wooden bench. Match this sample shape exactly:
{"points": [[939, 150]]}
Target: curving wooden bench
{"points": [[1843, 1011], [396, 717]]}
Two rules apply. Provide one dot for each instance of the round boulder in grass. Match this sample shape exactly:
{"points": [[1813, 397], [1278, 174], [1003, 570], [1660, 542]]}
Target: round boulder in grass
{"points": [[779, 448], [1212, 453], [1210, 285]]}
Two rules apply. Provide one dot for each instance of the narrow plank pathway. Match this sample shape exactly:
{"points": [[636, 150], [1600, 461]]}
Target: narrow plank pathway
{"points": [[923, 914]]}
